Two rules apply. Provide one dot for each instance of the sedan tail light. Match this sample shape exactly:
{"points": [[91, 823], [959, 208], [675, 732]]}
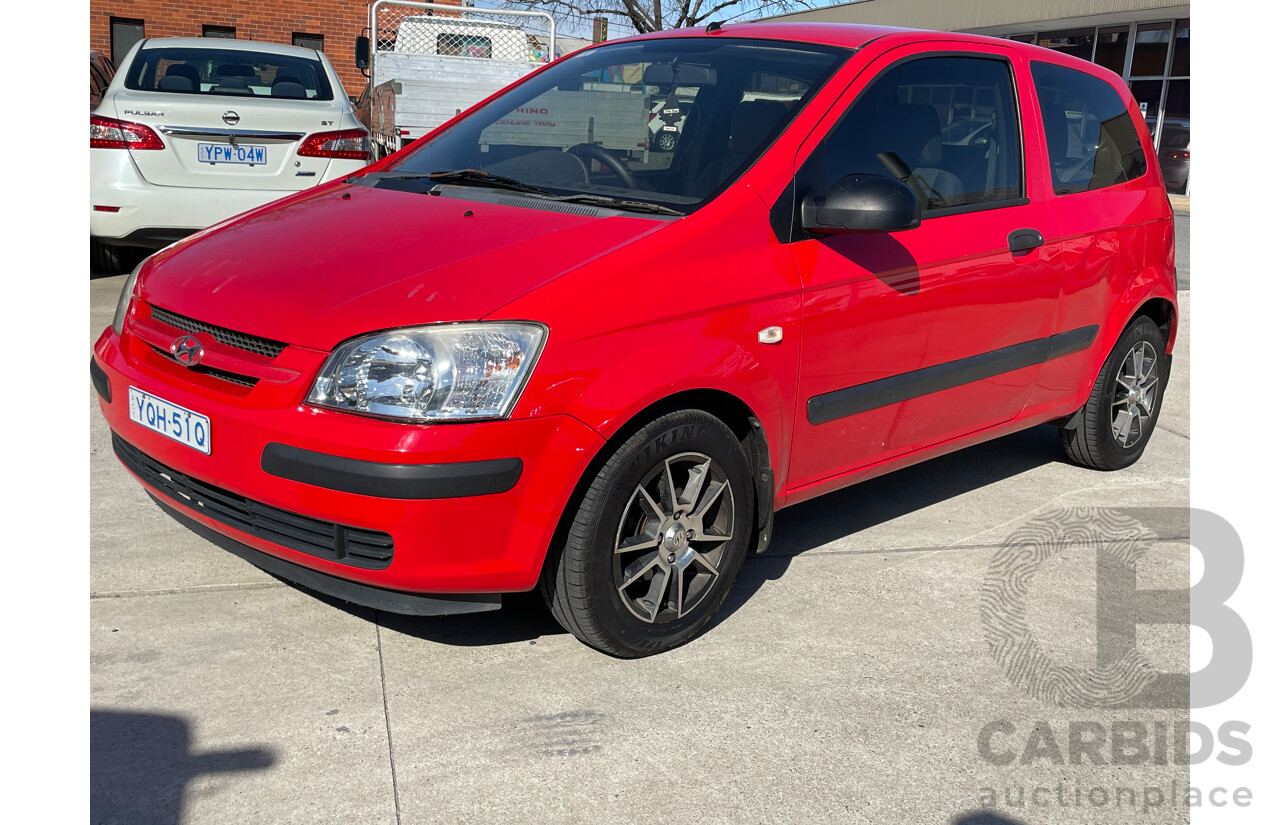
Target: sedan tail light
{"points": [[352, 144], [109, 133]]}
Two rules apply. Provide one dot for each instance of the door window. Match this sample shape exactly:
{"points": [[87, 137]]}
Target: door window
{"points": [[1091, 137], [947, 126]]}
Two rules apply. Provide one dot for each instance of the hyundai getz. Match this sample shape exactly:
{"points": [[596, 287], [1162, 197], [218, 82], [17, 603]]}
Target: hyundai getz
{"points": [[487, 364]]}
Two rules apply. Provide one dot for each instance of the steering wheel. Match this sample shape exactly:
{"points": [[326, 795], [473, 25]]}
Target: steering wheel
{"points": [[613, 162]]}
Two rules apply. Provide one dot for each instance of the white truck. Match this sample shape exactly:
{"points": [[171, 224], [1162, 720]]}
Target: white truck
{"points": [[612, 116], [428, 61]]}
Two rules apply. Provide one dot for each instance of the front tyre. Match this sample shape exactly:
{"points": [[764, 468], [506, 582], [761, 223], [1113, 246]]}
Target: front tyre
{"points": [[1117, 421], [658, 539]]}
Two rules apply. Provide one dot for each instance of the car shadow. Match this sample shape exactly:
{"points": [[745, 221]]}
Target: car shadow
{"points": [[984, 817], [798, 529], [140, 765], [847, 512]]}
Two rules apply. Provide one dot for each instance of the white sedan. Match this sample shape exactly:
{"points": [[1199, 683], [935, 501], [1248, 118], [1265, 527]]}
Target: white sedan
{"points": [[192, 131]]}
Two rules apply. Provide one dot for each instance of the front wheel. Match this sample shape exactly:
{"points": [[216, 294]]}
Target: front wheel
{"points": [[1117, 421], [658, 539]]}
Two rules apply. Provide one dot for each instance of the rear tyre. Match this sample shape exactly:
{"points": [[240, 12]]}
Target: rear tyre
{"points": [[105, 259], [666, 141], [1113, 428], [657, 540]]}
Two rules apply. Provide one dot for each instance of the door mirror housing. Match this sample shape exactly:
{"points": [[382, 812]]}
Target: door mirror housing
{"points": [[861, 203], [362, 53]]}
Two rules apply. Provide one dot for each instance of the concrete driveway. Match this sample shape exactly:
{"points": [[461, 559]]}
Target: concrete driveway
{"points": [[849, 678]]}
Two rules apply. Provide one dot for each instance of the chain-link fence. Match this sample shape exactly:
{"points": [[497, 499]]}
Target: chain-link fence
{"points": [[458, 31]]}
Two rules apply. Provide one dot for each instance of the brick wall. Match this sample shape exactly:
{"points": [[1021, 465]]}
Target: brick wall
{"points": [[340, 21]]}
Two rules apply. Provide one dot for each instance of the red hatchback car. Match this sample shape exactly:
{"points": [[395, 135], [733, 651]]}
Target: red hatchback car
{"points": [[506, 358]]}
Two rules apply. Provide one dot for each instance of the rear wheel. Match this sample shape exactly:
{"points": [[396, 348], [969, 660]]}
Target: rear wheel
{"points": [[1117, 421], [105, 259], [666, 141], [657, 540]]}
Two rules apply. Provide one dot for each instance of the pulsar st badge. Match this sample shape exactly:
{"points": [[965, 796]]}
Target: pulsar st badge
{"points": [[187, 350]]}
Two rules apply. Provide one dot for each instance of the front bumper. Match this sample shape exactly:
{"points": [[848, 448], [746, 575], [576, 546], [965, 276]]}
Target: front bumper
{"points": [[470, 508]]}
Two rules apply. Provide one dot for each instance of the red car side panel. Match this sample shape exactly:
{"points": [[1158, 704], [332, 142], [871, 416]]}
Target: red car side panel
{"points": [[679, 311]]}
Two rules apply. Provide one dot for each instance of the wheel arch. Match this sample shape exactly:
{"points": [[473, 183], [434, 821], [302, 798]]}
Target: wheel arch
{"points": [[1165, 315], [735, 413]]}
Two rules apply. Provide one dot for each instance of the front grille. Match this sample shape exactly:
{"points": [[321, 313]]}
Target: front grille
{"points": [[239, 340], [368, 549], [232, 377]]}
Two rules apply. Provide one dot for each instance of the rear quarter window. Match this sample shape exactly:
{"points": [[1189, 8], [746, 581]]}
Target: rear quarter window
{"points": [[1092, 141]]}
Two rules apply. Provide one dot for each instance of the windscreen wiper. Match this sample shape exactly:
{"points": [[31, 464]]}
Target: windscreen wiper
{"points": [[617, 203], [476, 177], [459, 177]]}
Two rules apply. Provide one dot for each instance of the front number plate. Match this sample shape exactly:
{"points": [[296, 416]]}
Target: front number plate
{"points": [[227, 153], [178, 423]]}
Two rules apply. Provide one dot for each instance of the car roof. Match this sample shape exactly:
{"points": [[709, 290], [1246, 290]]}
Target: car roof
{"points": [[849, 35], [227, 44], [855, 36]]}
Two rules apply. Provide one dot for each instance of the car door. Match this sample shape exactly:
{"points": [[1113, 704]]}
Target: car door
{"points": [[915, 337]]}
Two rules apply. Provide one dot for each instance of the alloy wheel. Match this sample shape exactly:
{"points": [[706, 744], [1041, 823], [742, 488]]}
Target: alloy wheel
{"points": [[671, 541], [1135, 394]]}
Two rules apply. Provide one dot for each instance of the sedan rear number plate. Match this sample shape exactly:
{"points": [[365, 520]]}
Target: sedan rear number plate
{"points": [[168, 419], [231, 153]]}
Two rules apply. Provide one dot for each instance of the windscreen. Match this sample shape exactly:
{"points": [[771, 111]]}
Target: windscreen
{"points": [[669, 122], [211, 71]]}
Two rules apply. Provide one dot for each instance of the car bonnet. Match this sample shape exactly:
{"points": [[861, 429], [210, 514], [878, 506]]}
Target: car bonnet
{"points": [[337, 263]]}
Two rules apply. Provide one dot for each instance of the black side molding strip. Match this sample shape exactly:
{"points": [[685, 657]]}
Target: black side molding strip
{"points": [[390, 601], [403, 481], [100, 381], [897, 388]]}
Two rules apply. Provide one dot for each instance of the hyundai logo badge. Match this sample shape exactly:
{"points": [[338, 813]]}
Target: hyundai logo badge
{"points": [[187, 350]]}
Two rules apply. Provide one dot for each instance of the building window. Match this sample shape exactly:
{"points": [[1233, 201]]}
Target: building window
{"points": [[1151, 50], [124, 33], [228, 32], [1112, 45], [1181, 49], [308, 41], [1075, 42]]}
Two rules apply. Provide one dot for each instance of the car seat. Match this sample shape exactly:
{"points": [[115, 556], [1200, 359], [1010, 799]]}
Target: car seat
{"points": [[180, 78]]}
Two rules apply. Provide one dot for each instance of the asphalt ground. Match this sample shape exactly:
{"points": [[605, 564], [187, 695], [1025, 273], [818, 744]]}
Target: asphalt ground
{"points": [[852, 676]]}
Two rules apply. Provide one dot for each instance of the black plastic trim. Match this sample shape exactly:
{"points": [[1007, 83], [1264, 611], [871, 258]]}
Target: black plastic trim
{"points": [[403, 481], [156, 238], [897, 388], [100, 381], [391, 601], [341, 543]]}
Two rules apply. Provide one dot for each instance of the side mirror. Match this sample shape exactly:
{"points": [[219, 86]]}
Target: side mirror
{"points": [[362, 53], [861, 203]]}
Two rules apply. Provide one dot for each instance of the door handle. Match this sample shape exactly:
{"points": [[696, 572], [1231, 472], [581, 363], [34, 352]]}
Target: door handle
{"points": [[1022, 241]]}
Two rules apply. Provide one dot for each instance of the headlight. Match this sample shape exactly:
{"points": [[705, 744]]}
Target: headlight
{"points": [[438, 373], [126, 295]]}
